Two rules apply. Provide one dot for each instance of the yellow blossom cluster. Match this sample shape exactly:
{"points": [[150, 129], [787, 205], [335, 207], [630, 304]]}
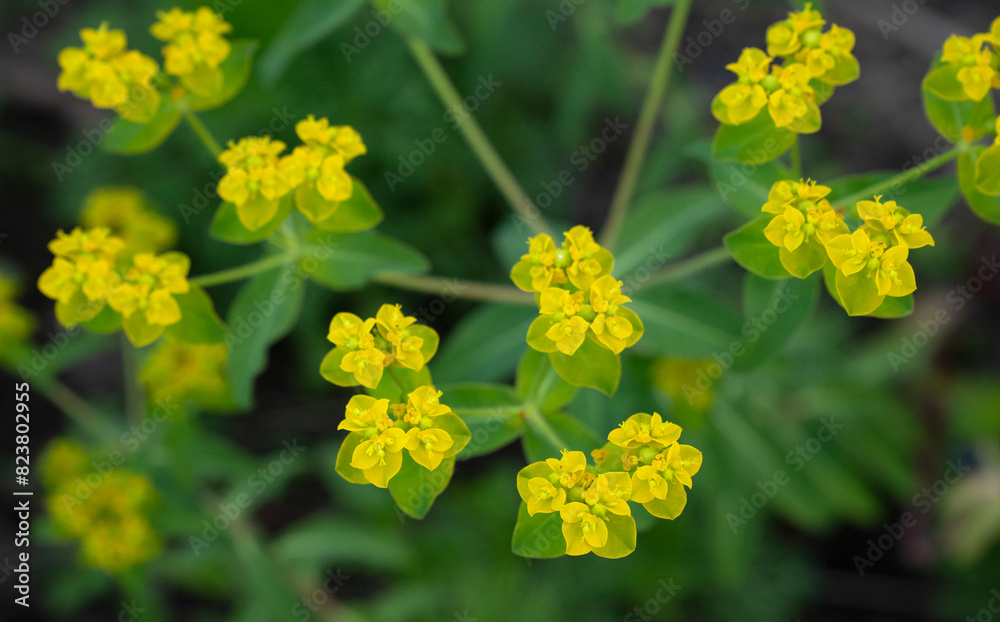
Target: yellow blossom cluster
{"points": [[971, 66], [108, 511], [258, 177], [365, 348], [127, 213], [16, 323], [803, 223], [379, 432], [188, 372], [814, 62], [642, 463], [577, 296], [195, 47]]}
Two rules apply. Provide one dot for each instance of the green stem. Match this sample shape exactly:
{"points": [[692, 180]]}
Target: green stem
{"points": [[693, 265], [481, 145], [796, 160], [242, 272], [203, 134], [134, 395], [458, 288], [77, 409], [651, 108], [533, 417], [902, 178]]}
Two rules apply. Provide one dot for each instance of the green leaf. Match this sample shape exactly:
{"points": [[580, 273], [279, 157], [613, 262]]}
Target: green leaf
{"points": [[226, 225], [131, 138], [931, 198], [988, 171], [952, 117], [752, 250], [104, 323], [894, 307], [423, 19], [755, 142], [538, 383], [684, 323], [629, 11], [357, 213], [590, 366], [199, 321], [746, 186], [547, 434], [492, 412], [344, 456], [621, 537], [775, 310], [539, 536], [322, 541], [942, 81], [235, 73], [310, 22], [485, 345], [661, 226], [389, 389], [264, 311], [858, 292], [345, 261], [985, 206], [415, 488]]}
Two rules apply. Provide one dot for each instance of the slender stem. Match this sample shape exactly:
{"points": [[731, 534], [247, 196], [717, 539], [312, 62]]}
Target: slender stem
{"points": [[693, 265], [203, 134], [902, 178], [242, 272], [455, 287], [134, 395], [480, 144], [651, 108], [77, 409], [796, 160], [534, 418]]}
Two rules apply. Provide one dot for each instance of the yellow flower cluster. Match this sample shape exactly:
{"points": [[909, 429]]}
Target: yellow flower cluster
{"points": [[974, 62], [803, 224], [364, 348], [127, 213], [188, 372], [110, 516], [577, 296], [257, 179], [642, 463], [789, 91], [427, 429], [110, 76], [16, 323], [84, 277], [195, 47]]}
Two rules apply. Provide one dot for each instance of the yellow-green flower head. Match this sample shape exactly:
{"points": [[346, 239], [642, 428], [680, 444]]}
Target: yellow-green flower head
{"points": [[63, 461], [580, 261], [380, 456], [804, 223], [613, 324], [195, 47], [858, 253], [568, 470], [818, 222], [145, 296], [82, 275], [975, 64], [188, 372], [126, 212], [744, 99], [544, 486], [359, 356], [588, 259], [412, 345], [831, 60], [16, 323], [793, 104], [586, 524], [110, 76], [566, 330], [256, 179], [660, 485], [801, 194], [423, 405], [317, 167], [367, 415], [644, 430], [118, 547], [906, 228], [341, 139], [800, 29]]}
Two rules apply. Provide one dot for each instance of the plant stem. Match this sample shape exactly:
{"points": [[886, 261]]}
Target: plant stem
{"points": [[534, 418], [902, 178], [242, 272], [796, 160], [651, 107], [692, 265], [470, 290], [203, 134], [481, 145], [134, 395], [77, 409]]}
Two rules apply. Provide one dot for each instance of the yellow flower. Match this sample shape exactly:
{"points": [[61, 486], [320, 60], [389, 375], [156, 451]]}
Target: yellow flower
{"points": [[367, 364], [317, 167], [545, 496], [256, 179], [379, 456], [588, 259], [406, 347], [641, 430], [568, 330], [907, 229], [569, 469], [63, 461], [672, 467], [743, 100], [585, 525], [366, 414], [195, 47], [831, 61], [423, 405], [976, 72], [16, 323], [82, 275], [145, 296], [126, 212], [787, 193], [793, 104], [188, 372], [537, 268], [427, 446], [888, 267], [801, 28], [612, 330], [104, 72]]}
